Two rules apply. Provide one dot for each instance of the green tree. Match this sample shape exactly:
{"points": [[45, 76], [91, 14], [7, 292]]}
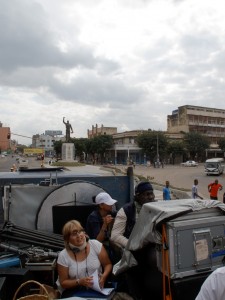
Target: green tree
{"points": [[153, 142], [80, 148], [90, 148], [221, 143], [98, 145], [57, 145], [196, 144], [20, 147], [174, 149]]}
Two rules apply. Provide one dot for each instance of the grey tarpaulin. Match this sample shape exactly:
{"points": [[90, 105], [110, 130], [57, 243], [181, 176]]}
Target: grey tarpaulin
{"points": [[31, 205], [146, 229]]}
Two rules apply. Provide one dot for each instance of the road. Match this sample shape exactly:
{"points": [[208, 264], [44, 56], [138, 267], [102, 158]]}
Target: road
{"points": [[7, 162], [182, 177], [179, 177]]}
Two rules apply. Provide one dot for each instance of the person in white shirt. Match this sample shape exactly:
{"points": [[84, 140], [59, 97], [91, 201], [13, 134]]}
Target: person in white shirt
{"points": [[80, 258], [195, 194], [213, 287]]}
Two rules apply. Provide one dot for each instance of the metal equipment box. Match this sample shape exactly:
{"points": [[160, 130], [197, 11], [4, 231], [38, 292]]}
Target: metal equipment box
{"points": [[196, 243]]}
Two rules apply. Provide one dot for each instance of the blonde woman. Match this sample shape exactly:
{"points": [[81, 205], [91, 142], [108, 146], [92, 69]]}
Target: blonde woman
{"points": [[79, 259]]}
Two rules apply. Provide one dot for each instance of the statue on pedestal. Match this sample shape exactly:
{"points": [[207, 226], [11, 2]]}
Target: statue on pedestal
{"points": [[68, 130]]}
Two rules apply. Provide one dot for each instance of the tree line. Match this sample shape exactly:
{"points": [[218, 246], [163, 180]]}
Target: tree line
{"points": [[153, 144]]}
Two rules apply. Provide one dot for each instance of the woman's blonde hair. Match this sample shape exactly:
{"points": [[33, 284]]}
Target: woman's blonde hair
{"points": [[69, 227]]}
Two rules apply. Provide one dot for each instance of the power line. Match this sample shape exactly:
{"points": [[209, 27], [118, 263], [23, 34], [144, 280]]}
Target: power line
{"points": [[21, 135]]}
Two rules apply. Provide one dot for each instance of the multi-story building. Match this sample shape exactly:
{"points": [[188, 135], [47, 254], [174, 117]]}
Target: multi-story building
{"points": [[46, 141], [4, 140], [95, 131], [205, 120]]}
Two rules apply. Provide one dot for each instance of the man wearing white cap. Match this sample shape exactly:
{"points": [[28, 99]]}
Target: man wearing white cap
{"points": [[100, 221]]}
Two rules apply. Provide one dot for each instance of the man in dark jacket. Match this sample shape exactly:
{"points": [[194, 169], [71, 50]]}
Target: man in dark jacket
{"points": [[124, 222], [128, 214]]}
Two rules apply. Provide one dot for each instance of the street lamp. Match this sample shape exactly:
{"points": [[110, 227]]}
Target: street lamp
{"points": [[157, 150], [43, 152], [128, 155]]}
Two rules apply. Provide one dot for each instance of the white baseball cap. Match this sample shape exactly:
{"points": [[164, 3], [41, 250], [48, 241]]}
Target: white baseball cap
{"points": [[104, 198]]}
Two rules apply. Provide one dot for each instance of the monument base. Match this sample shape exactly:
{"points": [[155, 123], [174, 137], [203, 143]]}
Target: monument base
{"points": [[68, 152]]}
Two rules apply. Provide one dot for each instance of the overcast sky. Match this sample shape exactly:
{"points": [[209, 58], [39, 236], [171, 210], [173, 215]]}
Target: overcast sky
{"points": [[121, 63]]}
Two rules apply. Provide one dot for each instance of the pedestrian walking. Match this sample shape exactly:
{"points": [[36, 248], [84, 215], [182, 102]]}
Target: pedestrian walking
{"points": [[214, 188], [195, 194], [166, 191]]}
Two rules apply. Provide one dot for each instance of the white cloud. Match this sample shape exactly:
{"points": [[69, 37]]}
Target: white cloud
{"points": [[119, 63]]}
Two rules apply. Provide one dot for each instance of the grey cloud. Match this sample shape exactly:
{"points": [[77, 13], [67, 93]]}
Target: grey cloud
{"points": [[27, 41], [198, 46], [97, 91], [88, 88]]}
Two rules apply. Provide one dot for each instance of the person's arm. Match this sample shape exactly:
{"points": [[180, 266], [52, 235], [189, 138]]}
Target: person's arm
{"points": [[103, 232], [199, 196], [209, 187], [64, 279], [117, 233], [68, 283], [106, 264], [164, 194], [196, 193], [94, 228]]}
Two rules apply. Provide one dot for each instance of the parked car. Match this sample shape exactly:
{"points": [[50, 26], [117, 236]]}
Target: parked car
{"points": [[190, 163]]}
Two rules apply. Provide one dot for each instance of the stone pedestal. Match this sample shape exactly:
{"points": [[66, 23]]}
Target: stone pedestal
{"points": [[68, 152]]}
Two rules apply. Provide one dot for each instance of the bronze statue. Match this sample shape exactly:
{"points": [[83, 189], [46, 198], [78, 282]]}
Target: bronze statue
{"points": [[68, 129]]}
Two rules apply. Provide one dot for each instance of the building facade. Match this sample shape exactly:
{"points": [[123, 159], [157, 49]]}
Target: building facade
{"points": [[102, 130], [125, 149], [4, 140], [45, 142], [205, 120]]}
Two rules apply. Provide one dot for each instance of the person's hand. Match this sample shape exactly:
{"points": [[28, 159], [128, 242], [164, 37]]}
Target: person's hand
{"points": [[86, 281], [101, 281], [108, 219]]}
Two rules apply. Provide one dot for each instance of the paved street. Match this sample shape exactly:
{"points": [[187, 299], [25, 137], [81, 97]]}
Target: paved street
{"points": [[181, 177]]}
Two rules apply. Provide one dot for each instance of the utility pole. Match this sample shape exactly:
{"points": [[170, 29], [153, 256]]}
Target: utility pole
{"points": [[157, 150]]}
